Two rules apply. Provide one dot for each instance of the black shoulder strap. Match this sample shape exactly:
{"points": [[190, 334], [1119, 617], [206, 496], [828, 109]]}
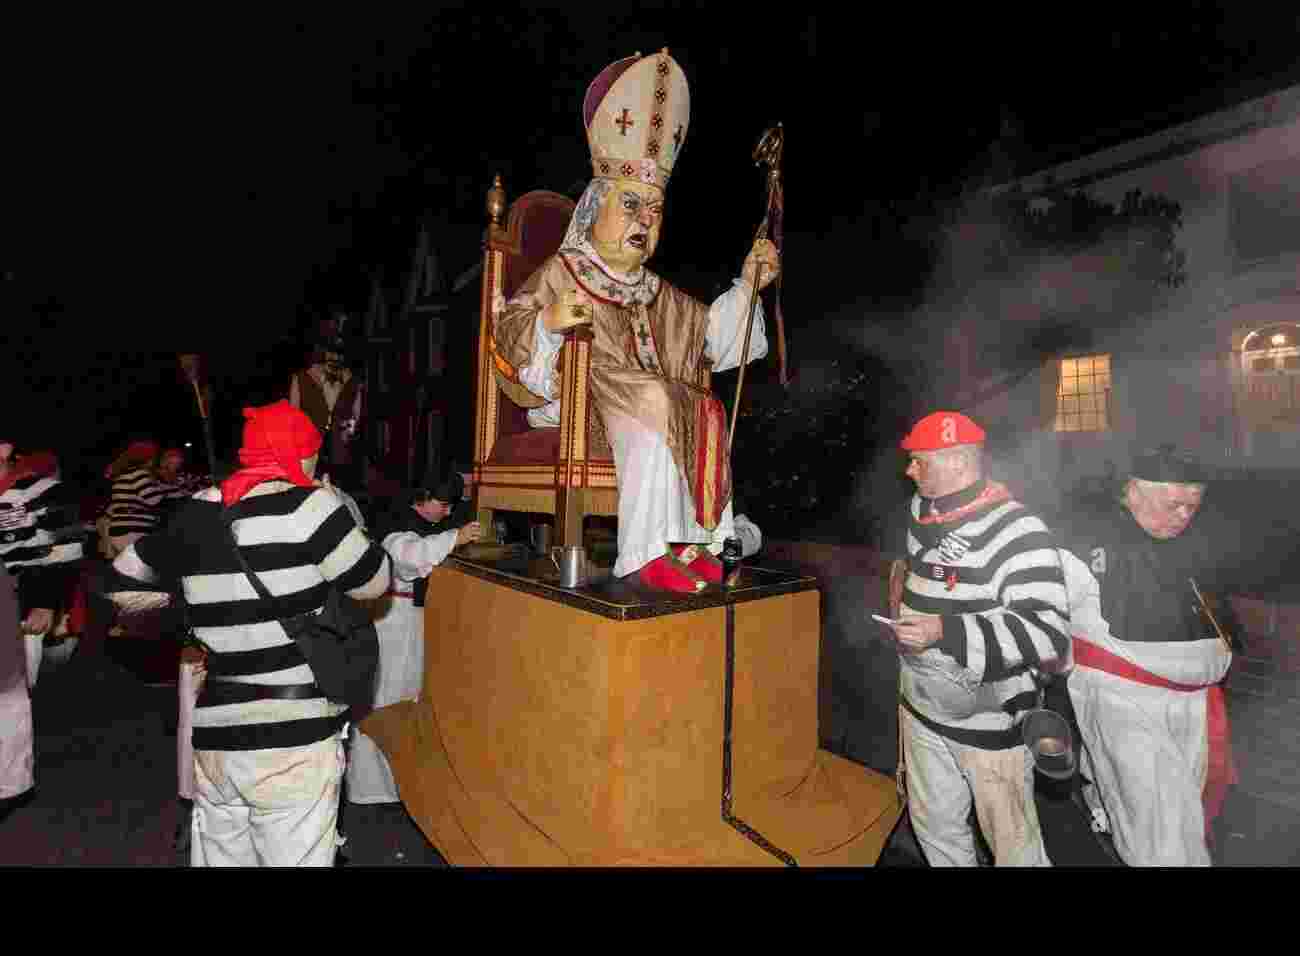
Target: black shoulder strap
{"points": [[227, 519]]}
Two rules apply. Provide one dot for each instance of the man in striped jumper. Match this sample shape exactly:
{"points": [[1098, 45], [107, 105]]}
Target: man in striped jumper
{"points": [[134, 508], [39, 555], [268, 745], [983, 607]]}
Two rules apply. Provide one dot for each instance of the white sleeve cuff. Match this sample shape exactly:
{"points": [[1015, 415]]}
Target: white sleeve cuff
{"points": [[539, 374]]}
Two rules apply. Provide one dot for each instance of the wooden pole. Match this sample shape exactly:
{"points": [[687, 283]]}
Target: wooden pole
{"points": [[744, 354]]}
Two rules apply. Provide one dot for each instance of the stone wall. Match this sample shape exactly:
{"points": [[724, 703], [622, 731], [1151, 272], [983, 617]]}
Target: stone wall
{"points": [[1263, 692], [858, 686]]}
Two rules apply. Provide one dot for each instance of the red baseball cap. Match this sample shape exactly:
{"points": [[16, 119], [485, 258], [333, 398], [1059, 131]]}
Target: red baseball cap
{"points": [[942, 430]]}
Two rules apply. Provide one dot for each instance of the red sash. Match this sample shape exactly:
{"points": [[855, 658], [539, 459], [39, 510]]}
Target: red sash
{"points": [[1222, 771]]}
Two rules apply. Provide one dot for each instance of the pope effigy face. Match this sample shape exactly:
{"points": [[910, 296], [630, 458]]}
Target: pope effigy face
{"points": [[626, 232]]}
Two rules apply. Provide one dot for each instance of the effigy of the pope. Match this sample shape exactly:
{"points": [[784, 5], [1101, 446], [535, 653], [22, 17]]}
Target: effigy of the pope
{"points": [[660, 709]]}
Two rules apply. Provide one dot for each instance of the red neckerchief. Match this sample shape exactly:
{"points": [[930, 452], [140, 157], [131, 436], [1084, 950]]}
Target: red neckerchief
{"points": [[994, 493], [39, 467]]}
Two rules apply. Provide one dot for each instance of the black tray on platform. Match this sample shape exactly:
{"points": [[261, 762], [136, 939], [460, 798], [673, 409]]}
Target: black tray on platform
{"points": [[623, 599]]}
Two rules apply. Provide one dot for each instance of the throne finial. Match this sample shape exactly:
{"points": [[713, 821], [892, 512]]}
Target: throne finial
{"points": [[496, 201]]}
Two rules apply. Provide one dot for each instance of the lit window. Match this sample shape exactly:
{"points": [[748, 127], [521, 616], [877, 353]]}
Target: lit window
{"points": [[1083, 394], [1271, 362]]}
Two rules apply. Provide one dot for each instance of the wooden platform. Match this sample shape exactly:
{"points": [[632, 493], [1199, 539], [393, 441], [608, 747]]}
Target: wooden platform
{"points": [[589, 726]]}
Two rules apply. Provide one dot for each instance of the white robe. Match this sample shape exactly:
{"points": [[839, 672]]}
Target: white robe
{"points": [[1146, 748], [400, 625], [655, 507], [16, 732]]}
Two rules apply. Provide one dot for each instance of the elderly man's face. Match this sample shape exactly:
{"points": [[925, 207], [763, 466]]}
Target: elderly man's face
{"points": [[6, 452], [627, 230], [1163, 510]]}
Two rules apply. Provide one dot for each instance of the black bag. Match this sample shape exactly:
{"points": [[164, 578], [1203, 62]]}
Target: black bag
{"points": [[340, 643]]}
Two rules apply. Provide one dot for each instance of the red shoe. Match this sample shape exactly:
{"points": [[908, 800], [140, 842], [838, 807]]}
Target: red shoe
{"points": [[666, 573], [703, 563]]}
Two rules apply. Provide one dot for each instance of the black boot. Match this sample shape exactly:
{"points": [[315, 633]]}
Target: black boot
{"points": [[10, 805], [181, 838]]}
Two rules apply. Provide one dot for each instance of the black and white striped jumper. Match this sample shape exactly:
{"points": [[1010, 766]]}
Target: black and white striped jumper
{"points": [[990, 568], [300, 542], [32, 510], [136, 499]]}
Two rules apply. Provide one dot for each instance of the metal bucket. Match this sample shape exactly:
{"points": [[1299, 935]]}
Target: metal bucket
{"points": [[1051, 745]]}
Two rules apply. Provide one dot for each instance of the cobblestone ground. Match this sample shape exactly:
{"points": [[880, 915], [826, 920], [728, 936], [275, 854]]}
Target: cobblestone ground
{"points": [[106, 790]]}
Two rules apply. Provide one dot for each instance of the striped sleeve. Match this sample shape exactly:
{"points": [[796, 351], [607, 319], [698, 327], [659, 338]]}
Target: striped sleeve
{"points": [[54, 504], [133, 584], [345, 556], [134, 504], [1029, 625]]}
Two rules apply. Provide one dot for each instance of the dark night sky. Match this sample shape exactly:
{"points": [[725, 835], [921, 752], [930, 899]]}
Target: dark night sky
{"points": [[206, 183]]}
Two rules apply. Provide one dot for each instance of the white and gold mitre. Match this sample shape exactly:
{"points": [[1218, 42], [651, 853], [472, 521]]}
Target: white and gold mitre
{"points": [[636, 112]]}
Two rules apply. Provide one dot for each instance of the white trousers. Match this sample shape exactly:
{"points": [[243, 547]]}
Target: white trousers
{"points": [[400, 625], [34, 646], [655, 507], [17, 774], [188, 688], [274, 807], [944, 778]]}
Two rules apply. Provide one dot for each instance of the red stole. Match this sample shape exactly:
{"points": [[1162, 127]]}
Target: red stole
{"points": [[711, 477]]}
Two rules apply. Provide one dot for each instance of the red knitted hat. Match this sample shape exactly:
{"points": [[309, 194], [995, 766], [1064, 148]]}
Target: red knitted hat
{"points": [[940, 430]]}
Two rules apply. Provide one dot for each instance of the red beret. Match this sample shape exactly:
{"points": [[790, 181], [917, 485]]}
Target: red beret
{"points": [[942, 430]]}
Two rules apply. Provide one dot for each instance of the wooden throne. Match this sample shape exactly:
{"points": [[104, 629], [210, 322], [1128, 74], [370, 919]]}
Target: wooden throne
{"points": [[568, 471]]}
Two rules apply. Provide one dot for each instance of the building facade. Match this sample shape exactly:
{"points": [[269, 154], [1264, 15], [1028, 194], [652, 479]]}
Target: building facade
{"points": [[1215, 367]]}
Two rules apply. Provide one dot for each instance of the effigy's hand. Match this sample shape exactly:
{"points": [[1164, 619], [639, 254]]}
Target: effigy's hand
{"points": [[764, 252], [574, 308]]}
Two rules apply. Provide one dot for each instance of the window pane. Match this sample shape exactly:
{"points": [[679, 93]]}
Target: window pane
{"points": [[1083, 393]]}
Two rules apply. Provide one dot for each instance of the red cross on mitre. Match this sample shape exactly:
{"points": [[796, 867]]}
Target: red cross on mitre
{"points": [[623, 122]]}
